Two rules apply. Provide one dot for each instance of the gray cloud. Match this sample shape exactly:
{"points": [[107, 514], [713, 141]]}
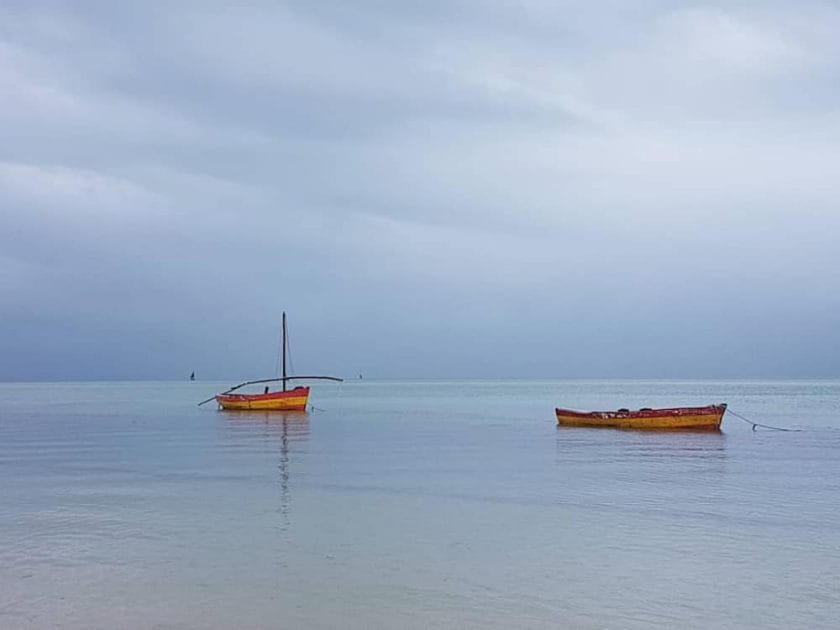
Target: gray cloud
{"points": [[430, 189]]}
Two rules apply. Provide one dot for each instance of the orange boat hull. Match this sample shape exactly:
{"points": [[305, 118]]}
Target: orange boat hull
{"points": [[291, 400], [677, 418]]}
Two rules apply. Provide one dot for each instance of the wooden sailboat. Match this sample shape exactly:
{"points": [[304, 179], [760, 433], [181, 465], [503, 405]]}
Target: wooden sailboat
{"points": [[285, 399]]}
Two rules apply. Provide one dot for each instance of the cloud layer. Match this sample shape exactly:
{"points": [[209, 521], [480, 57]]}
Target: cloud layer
{"points": [[429, 189]]}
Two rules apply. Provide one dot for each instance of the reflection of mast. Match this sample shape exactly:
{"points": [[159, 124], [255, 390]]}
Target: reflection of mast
{"points": [[285, 507], [281, 436], [292, 429]]}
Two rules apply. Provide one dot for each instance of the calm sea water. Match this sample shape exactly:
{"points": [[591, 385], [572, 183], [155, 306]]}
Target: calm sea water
{"points": [[453, 504]]}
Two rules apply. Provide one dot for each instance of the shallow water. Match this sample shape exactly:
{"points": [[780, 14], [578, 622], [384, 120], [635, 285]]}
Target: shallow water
{"points": [[417, 505]]}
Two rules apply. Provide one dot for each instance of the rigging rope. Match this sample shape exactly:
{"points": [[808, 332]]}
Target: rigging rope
{"points": [[279, 354], [758, 424], [289, 354]]}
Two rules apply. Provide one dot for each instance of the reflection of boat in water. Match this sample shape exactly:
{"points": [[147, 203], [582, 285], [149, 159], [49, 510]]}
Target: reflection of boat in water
{"points": [[270, 420], [677, 418], [268, 427], [284, 400]]}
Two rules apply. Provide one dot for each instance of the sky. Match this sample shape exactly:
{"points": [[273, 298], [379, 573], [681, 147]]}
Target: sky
{"points": [[595, 189]]}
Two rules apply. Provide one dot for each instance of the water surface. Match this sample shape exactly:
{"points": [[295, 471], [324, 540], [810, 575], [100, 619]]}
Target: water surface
{"points": [[417, 505]]}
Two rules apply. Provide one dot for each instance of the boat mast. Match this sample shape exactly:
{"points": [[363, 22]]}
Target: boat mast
{"points": [[284, 351]]}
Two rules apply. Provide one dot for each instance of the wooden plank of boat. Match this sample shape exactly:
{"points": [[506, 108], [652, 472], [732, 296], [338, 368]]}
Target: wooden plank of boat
{"points": [[677, 418]]}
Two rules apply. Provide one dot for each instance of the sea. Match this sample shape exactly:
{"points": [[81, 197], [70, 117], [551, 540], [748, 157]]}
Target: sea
{"points": [[418, 504]]}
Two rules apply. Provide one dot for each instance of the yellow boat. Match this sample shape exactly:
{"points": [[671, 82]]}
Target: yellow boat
{"points": [[677, 418], [289, 400]]}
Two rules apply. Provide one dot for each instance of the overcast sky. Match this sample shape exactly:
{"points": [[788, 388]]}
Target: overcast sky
{"points": [[429, 189]]}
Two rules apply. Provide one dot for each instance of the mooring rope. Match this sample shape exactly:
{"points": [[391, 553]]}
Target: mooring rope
{"points": [[758, 424]]}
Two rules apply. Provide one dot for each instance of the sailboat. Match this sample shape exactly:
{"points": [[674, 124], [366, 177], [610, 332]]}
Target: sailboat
{"points": [[285, 399]]}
